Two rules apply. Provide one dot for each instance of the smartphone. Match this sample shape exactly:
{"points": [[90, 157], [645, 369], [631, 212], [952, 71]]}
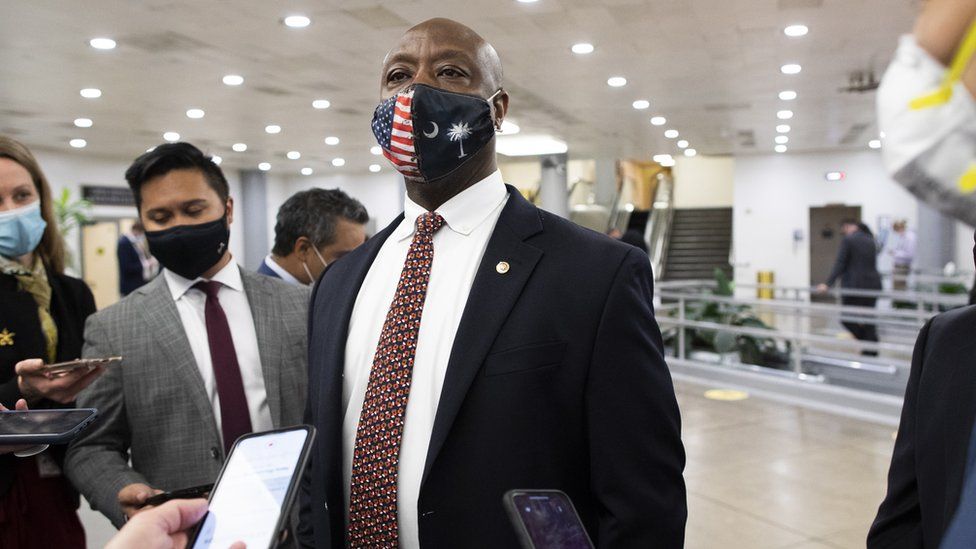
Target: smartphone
{"points": [[195, 492], [257, 486], [30, 427], [63, 368], [546, 519]]}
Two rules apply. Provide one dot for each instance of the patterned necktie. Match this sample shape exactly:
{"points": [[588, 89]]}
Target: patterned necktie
{"points": [[373, 491], [235, 419]]}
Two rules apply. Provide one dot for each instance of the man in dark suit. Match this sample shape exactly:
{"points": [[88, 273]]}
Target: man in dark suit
{"points": [[313, 229], [527, 345], [136, 265], [856, 267]]}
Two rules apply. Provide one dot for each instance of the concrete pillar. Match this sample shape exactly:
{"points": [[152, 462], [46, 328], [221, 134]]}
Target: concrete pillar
{"points": [[554, 187], [605, 186], [936, 234], [254, 205]]}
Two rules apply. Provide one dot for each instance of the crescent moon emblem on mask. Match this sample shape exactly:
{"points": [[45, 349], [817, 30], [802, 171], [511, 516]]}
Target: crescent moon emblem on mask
{"points": [[432, 134]]}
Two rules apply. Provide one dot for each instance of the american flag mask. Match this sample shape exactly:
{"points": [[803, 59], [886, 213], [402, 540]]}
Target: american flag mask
{"points": [[428, 133]]}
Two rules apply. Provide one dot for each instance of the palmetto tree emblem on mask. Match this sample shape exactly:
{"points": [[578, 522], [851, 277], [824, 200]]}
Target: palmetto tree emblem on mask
{"points": [[459, 132]]}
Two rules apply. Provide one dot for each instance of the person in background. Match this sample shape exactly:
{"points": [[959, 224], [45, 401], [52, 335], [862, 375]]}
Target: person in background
{"points": [[136, 265], [210, 351], [314, 228], [42, 315], [927, 483], [856, 267], [902, 250]]}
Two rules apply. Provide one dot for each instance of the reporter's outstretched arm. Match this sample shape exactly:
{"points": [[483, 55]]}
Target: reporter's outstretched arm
{"points": [[163, 527]]}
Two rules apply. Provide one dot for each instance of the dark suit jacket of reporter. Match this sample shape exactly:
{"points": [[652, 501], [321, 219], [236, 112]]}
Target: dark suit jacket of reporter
{"points": [[71, 304], [556, 380], [929, 462]]}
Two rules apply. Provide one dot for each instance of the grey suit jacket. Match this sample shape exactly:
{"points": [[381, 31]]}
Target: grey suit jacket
{"points": [[154, 409]]}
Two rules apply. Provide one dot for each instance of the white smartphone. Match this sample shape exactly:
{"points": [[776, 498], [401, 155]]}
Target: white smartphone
{"points": [[257, 486]]}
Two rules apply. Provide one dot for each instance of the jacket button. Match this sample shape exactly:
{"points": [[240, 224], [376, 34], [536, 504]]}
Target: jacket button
{"points": [[214, 453]]}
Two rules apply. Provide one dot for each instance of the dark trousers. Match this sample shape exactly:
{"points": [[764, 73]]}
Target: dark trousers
{"points": [[862, 331]]}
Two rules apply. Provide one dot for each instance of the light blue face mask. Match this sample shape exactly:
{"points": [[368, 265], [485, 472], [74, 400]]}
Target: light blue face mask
{"points": [[21, 230]]}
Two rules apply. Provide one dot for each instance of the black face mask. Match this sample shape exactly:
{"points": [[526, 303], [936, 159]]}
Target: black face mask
{"points": [[189, 250]]}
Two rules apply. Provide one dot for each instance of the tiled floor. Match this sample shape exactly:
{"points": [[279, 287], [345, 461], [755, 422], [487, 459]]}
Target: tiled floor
{"points": [[761, 475]]}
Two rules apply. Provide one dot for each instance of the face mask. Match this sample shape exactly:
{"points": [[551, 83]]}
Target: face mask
{"points": [[928, 119], [21, 230], [189, 250], [428, 133], [311, 279]]}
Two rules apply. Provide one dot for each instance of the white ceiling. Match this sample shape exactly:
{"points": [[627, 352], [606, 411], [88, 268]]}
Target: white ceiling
{"points": [[710, 66]]}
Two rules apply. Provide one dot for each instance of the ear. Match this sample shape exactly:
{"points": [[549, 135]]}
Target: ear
{"points": [[500, 104], [230, 210], [302, 246]]}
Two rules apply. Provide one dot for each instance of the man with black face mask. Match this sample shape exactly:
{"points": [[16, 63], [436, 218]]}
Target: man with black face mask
{"points": [[479, 344], [210, 351]]}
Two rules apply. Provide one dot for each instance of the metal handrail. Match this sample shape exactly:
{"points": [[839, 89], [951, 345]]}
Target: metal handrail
{"points": [[657, 232], [907, 296]]}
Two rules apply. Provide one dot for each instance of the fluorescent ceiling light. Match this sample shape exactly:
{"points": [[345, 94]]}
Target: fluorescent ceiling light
{"points": [[642, 104], [691, 152], [233, 80], [781, 140], [102, 43], [783, 128], [272, 128], [787, 95], [338, 162], [321, 104], [195, 113], [791, 68], [780, 148], [582, 48], [239, 147], [332, 140], [377, 150], [796, 31], [658, 120], [78, 143], [293, 155], [659, 158], [671, 134], [216, 159], [307, 171], [784, 115], [375, 168], [874, 143], [682, 144], [264, 166], [91, 93], [529, 145], [297, 21], [83, 122], [616, 81], [171, 136]]}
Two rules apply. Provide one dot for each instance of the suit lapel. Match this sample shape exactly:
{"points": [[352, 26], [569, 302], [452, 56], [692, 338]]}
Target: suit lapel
{"points": [[264, 310], [492, 297], [958, 429], [163, 321]]}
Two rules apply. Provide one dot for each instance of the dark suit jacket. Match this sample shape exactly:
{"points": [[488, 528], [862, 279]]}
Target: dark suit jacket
{"points": [[71, 303], [856, 264], [556, 380], [130, 267], [266, 271], [929, 461]]}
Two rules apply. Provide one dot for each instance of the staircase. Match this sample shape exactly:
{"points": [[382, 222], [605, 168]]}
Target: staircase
{"points": [[700, 241]]}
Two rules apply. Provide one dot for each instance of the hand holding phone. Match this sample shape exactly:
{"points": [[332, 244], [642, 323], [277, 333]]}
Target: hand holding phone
{"points": [[33, 427], [546, 519], [64, 368], [36, 382]]}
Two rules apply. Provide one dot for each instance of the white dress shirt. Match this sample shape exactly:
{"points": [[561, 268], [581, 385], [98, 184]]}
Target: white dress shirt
{"points": [[191, 303], [281, 272], [459, 245]]}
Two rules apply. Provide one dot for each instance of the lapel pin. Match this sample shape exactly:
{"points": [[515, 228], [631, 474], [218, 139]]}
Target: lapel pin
{"points": [[502, 267], [6, 338]]}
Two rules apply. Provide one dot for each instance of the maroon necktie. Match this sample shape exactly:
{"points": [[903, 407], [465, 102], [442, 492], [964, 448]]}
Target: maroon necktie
{"points": [[235, 419], [376, 457]]}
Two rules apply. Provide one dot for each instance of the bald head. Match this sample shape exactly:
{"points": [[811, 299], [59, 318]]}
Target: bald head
{"points": [[445, 54]]}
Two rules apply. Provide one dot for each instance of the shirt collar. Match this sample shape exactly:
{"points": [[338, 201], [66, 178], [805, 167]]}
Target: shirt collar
{"points": [[280, 271], [229, 276], [464, 212]]}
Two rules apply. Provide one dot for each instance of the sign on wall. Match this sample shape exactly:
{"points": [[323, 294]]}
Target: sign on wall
{"points": [[103, 195]]}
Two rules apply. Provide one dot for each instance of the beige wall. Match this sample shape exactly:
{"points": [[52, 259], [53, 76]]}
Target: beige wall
{"points": [[704, 182]]}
